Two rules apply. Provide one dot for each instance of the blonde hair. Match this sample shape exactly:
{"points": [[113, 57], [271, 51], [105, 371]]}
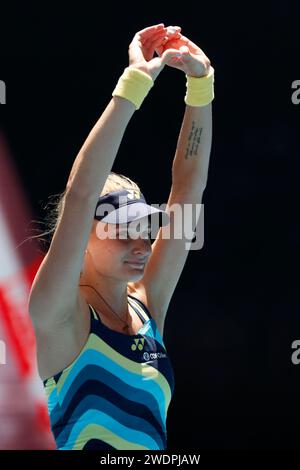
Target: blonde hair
{"points": [[114, 182]]}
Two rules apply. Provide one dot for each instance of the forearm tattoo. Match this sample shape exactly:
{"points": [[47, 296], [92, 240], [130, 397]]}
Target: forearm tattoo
{"points": [[193, 141]]}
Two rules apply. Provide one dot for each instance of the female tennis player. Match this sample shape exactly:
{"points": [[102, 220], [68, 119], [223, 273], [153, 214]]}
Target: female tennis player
{"points": [[99, 300]]}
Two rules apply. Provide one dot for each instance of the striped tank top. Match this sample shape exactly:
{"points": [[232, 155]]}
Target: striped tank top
{"points": [[116, 393]]}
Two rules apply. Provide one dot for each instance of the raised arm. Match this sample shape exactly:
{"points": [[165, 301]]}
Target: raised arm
{"points": [[54, 292], [189, 176], [96, 157], [191, 161]]}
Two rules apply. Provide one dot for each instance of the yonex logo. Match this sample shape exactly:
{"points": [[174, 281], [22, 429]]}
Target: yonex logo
{"points": [[137, 345]]}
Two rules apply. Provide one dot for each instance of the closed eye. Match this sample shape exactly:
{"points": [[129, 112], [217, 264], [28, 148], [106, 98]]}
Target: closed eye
{"points": [[124, 234]]}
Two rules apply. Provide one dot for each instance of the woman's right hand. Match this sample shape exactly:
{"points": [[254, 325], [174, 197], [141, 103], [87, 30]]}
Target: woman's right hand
{"points": [[142, 48]]}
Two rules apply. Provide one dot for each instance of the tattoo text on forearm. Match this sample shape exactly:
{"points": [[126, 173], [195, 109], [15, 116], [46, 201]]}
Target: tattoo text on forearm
{"points": [[193, 141]]}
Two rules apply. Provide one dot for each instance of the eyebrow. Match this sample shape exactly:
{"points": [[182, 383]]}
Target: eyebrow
{"points": [[127, 227]]}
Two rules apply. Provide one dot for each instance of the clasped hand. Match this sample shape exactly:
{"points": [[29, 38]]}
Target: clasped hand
{"points": [[173, 49]]}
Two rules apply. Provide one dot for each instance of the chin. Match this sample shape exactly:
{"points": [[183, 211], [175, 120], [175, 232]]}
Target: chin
{"points": [[138, 277], [134, 274], [133, 277]]}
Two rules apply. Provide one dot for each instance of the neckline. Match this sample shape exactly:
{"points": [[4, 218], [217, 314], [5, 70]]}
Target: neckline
{"points": [[91, 309], [119, 332]]}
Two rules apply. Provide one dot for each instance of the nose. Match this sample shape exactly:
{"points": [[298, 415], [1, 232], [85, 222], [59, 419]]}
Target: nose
{"points": [[142, 247]]}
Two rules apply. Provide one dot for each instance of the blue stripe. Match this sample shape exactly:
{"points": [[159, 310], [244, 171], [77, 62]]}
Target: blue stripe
{"points": [[96, 403], [115, 376], [98, 417]]}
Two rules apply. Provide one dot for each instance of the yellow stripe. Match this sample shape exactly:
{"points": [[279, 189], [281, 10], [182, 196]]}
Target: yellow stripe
{"points": [[97, 344], [49, 386], [92, 430]]}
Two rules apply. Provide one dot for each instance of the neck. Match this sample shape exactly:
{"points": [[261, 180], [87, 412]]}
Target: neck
{"points": [[106, 295]]}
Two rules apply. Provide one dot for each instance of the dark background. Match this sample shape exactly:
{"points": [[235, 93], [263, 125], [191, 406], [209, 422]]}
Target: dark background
{"points": [[235, 311]]}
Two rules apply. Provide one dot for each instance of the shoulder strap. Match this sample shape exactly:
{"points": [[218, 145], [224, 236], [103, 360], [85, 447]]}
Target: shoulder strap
{"points": [[141, 305], [136, 309], [93, 313]]}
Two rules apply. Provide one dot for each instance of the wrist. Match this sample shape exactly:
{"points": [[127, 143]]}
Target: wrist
{"points": [[209, 69], [200, 90], [134, 85], [141, 68]]}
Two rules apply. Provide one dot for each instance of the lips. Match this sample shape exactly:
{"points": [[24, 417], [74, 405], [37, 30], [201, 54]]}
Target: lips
{"points": [[136, 261], [136, 264]]}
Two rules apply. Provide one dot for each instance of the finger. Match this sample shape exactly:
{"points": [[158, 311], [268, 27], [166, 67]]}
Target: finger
{"points": [[144, 38], [174, 42], [150, 46], [170, 31], [155, 45], [191, 45], [147, 35], [141, 43], [183, 41], [159, 50], [184, 50], [165, 45], [171, 55], [171, 37], [173, 29], [159, 35], [135, 50], [146, 32]]}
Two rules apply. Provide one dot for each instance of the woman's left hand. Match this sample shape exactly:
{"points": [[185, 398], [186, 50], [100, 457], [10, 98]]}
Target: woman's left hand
{"points": [[191, 59]]}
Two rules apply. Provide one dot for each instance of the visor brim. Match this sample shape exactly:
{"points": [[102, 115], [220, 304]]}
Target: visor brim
{"points": [[133, 212]]}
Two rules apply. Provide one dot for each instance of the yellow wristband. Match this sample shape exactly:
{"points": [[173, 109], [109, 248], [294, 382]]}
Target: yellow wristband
{"points": [[200, 90], [134, 85]]}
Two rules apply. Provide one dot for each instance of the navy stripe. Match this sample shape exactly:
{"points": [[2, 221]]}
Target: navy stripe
{"points": [[97, 388]]}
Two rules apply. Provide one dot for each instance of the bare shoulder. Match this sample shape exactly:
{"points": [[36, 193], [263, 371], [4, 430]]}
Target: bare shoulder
{"points": [[57, 348]]}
